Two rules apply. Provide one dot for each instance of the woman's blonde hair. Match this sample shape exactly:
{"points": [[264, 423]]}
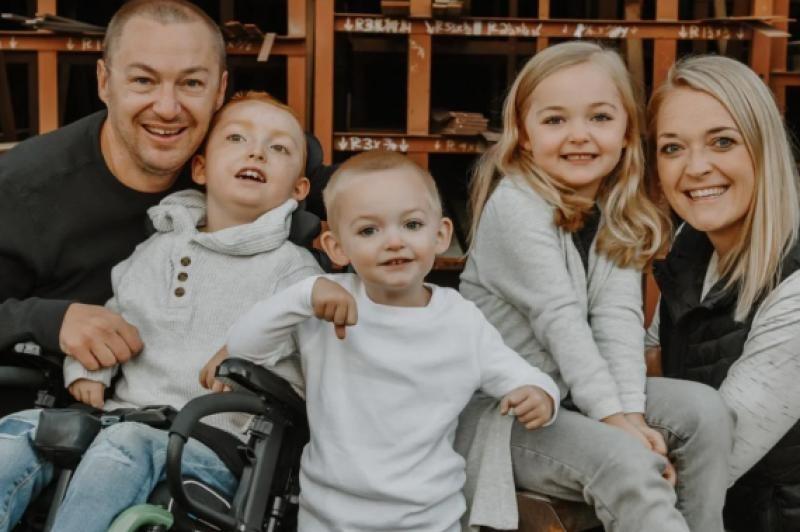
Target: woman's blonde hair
{"points": [[633, 230], [771, 224]]}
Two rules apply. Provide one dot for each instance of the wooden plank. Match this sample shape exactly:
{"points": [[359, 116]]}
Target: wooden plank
{"points": [[47, 70], [419, 84], [297, 13], [296, 88], [664, 50], [761, 54], [363, 141], [634, 49], [420, 158], [780, 44], [762, 8], [523, 28], [323, 77], [46, 7], [544, 14], [421, 8]]}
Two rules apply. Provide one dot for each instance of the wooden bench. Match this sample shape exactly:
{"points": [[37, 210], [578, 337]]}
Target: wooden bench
{"points": [[539, 513]]}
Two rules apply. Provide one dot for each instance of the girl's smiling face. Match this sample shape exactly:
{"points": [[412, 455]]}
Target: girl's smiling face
{"points": [[705, 169], [576, 127]]}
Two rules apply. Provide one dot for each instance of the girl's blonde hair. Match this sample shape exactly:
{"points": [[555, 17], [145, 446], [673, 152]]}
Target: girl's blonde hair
{"points": [[634, 228], [771, 224]]}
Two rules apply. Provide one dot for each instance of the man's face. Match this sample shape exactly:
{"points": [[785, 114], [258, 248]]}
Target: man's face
{"points": [[161, 86]]}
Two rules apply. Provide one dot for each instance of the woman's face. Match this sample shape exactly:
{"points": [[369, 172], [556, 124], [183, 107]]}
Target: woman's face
{"points": [[705, 170]]}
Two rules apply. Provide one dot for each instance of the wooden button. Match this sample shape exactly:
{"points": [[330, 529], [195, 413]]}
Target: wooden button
{"points": [[183, 276], [180, 291], [185, 261]]}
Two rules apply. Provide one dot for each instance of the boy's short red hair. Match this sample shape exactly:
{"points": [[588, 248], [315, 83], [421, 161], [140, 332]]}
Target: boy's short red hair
{"points": [[255, 96]]}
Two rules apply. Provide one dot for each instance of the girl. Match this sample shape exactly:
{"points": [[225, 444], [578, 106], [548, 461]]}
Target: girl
{"points": [[562, 226], [730, 284]]}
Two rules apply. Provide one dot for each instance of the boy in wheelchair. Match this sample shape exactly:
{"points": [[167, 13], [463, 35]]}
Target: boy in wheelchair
{"points": [[387, 379], [213, 254]]}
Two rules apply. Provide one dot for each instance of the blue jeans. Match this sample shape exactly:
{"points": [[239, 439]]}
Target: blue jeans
{"points": [[119, 470]]}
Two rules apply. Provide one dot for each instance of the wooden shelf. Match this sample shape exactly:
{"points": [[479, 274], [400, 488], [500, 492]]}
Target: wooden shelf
{"points": [[45, 41], [712, 30], [367, 141], [294, 47]]}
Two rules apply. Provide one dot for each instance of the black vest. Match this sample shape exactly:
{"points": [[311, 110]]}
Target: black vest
{"points": [[700, 341]]}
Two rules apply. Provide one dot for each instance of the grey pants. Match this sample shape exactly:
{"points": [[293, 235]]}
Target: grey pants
{"points": [[581, 459]]}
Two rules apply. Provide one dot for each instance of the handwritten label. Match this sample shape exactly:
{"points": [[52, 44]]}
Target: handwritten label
{"points": [[352, 143], [377, 25], [693, 31], [454, 146]]}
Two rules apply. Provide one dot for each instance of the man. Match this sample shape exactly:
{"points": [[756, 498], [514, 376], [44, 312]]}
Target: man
{"points": [[73, 202]]}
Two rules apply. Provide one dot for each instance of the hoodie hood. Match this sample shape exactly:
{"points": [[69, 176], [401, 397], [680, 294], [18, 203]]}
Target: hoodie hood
{"points": [[185, 211]]}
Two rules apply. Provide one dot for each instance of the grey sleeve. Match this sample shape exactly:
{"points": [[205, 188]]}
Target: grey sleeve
{"points": [[522, 261], [761, 387]]}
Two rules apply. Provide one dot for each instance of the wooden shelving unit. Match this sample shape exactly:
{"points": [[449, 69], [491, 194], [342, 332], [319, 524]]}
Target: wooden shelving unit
{"points": [[421, 38], [47, 46]]}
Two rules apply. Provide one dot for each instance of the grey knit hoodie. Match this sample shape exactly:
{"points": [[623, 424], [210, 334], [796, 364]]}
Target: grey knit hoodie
{"points": [[183, 289]]}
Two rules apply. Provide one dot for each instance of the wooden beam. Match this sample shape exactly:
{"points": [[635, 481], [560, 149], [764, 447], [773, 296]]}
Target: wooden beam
{"points": [[297, 13], [45, 7], [323, 77], [47, 70], [634, 49], [421, 8], [544, 14], [420, 49], [296, 90], [664, 50]]}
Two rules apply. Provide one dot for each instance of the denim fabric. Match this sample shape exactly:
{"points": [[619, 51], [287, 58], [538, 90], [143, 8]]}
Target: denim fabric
{"points": [[122, 467], [23, 474], [119, 470]]}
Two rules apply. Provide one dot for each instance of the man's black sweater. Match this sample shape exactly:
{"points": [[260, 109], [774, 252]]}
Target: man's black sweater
{"points": [[65, 220]]}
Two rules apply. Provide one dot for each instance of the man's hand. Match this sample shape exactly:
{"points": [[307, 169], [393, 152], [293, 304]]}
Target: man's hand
{"points": [[657, 443], [97, 337], [331, 302], [532, 406], [208, 374], [88, 392]]}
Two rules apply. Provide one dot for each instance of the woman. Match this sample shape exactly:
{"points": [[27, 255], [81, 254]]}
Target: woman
{"points": [[728, 314]]}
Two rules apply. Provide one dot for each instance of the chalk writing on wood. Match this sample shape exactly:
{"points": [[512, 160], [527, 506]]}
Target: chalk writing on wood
{"points": [[377, 25], [354, 143]]}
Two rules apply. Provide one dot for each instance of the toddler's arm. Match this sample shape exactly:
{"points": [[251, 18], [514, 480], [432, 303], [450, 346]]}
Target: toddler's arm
{"points": [[264, 329]]}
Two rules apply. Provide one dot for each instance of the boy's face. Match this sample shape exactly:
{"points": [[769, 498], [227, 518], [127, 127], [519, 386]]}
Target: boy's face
{"points": [[253, 162], [386, 226]]}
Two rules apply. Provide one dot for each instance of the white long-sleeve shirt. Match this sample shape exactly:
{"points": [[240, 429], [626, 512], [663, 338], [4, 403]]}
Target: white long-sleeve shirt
{"points": [[383, 403], [761, 386]]}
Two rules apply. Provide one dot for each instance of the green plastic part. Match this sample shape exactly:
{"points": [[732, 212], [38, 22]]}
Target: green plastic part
{"points": [[137, 516]]}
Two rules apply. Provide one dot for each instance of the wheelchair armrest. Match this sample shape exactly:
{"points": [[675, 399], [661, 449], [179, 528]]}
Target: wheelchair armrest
{"points": [[263, 383], [183, 424], [29, 369]]}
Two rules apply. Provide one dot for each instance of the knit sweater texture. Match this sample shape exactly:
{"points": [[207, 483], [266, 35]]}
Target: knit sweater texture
{"points": [[384, 402], [183, 288], [584, 327]]}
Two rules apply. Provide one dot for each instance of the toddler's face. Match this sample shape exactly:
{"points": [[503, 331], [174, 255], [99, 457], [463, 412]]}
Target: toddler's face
{"points": [[387, 227], [575, 127], [253, 161]]}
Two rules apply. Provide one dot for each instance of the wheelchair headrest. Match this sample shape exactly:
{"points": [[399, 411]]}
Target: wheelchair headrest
{"points": [[313, 154]]}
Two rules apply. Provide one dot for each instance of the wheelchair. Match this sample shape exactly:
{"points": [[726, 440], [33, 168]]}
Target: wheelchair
{"points": [[268, 490]]}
